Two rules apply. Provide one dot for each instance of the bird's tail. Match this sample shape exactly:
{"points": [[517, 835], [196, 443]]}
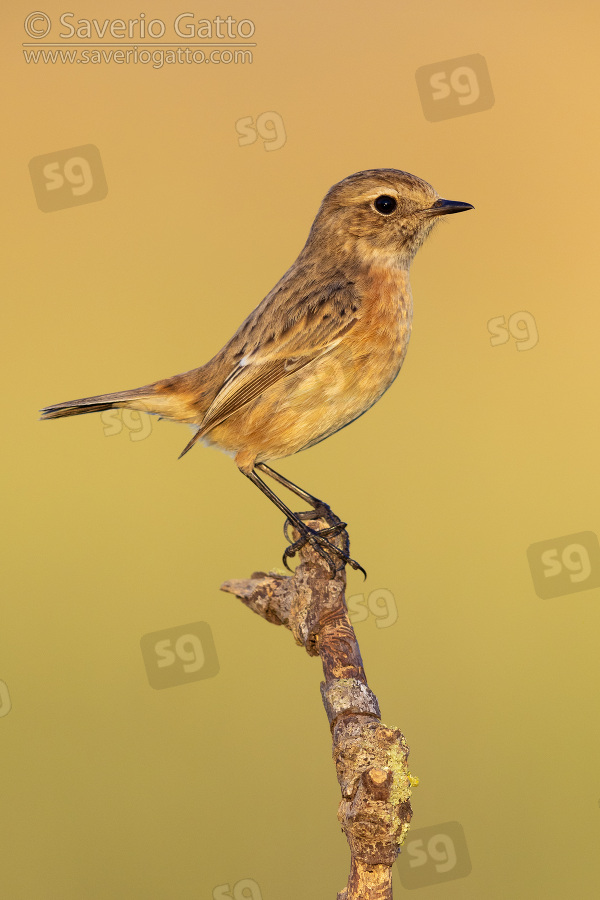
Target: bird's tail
{"points": [[145, 399]]}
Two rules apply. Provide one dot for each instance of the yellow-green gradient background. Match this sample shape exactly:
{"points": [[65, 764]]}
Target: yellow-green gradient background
{"points": [[113, 789]]}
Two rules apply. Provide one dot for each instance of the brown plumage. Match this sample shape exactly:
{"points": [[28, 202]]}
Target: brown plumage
{"points": [[323, 345]]}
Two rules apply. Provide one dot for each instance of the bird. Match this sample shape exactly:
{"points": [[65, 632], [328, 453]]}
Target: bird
{"points": [[319, 350]]}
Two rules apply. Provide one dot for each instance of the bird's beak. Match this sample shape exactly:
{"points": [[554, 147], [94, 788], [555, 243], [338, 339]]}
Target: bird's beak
{"points": [[445, 207]]}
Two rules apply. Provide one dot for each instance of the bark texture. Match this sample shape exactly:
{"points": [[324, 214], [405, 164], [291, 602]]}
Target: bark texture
{"points": [[370, 757]]}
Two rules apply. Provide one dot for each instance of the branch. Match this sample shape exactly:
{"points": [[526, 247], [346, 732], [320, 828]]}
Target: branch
{"points": [[370, 758]]}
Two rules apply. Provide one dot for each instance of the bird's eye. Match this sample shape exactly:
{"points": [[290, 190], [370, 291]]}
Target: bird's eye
{"points": [[385, 204]]}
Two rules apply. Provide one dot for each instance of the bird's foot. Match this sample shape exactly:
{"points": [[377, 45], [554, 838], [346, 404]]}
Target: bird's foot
{"points": [[319, 539]]}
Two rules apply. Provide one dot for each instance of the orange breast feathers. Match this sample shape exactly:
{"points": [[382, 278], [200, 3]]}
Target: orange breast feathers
{"points": [[333, 389]]}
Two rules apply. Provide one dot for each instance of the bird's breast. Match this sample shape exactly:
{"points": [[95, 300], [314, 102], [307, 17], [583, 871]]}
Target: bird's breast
{"points": [[349, 379], [381, 336], [336, 387]]}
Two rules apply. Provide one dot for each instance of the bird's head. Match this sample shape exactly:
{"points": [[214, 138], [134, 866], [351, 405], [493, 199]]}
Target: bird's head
{"points": [[381, 213]]}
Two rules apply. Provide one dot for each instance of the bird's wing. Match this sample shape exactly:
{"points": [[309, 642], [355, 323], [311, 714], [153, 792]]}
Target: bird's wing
{"points": [[317, 329]]}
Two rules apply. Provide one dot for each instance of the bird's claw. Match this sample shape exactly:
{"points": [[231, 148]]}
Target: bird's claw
{"points": [[318, 540], [316, 545], [324, 532]]}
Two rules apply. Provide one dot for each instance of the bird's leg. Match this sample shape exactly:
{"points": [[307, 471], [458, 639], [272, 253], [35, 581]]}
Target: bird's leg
{"points": [[304, 495], [307, 533], [321, 510], [317, 539]]}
